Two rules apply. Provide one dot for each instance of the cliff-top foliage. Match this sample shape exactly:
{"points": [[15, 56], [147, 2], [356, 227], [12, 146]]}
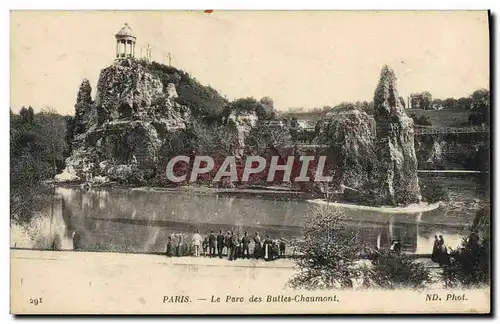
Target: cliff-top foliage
{"points": [[205, 102]]}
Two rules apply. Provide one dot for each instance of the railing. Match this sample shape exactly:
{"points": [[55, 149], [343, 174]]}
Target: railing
{"points": [[419, 129], [450, 130]]}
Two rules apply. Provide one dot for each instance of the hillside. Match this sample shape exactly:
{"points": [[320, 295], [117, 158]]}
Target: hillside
{"points": [[443, 118], [204, 101]]}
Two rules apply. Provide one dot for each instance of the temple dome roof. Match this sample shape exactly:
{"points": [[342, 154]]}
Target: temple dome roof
{"points": [[125, 31]]}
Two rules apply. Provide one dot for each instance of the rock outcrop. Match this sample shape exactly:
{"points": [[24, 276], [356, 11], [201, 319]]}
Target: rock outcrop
{"points": [[82, 107], [349, 136], [132, 119], [394, 145]]}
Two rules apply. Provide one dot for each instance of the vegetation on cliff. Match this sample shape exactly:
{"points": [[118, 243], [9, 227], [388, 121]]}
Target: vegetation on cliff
{"points": [[204, 101]]}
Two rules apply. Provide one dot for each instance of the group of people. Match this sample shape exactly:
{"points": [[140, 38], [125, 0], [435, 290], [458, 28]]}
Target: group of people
{"points": [[440, 251], [232, 245]]}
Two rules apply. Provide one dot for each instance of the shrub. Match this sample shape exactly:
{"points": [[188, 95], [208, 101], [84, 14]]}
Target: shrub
{"points": [[392, 270], [328, 250], [470, 263]]}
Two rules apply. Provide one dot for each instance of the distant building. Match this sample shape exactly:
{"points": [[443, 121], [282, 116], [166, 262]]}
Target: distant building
{"points": [[305, 119], [421, 101], [415, 101]]}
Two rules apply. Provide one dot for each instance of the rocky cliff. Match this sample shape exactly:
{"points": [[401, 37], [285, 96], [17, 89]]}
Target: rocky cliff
{"points": [[394, 145], [373, 160], [133, 117], [349, 135]]}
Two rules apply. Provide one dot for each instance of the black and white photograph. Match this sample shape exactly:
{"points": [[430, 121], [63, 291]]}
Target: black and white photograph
{"points": [[250, 162]]}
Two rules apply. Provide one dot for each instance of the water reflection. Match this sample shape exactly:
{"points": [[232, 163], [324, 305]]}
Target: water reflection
{"points": [[140, 221]]}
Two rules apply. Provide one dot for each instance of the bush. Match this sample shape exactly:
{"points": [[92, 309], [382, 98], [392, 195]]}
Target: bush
{"points": [[470, 264], [392, 270], [328, 250]]}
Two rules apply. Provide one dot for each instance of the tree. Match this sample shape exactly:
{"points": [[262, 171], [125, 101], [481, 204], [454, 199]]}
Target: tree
{"points": [[426, 100], [263, 109], [28, 167], [464, 103], [265, 137], [480, 104], [437, 103], [53, 130], [213, 139], [328, 252], [26, 114], [449, 103]]}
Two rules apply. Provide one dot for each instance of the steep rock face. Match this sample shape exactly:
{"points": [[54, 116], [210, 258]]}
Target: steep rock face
{"points": [[394, 145], [83, 107], [349, 135], [131, 119], [244, 122], [125, 92]]}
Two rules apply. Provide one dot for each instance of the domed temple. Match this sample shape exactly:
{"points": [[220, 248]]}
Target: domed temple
{"points": [[125, 42]]}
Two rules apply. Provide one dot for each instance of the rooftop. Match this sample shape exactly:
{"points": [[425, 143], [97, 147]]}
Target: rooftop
{"points": [[125, 31]]}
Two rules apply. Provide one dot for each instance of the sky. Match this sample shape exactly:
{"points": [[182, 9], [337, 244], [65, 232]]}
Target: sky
{"points": [[299, 58]]}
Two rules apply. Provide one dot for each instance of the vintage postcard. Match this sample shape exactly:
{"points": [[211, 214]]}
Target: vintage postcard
{"points": [[250, 162]]}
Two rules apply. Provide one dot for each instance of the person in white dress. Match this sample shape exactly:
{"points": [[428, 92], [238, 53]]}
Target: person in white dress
{"points": [[197, 239]]}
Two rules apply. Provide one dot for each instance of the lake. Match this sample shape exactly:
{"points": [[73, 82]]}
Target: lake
{"points": [[135, 220]]}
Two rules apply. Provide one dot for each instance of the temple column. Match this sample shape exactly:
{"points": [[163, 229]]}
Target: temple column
{"points": [[117, 55]]}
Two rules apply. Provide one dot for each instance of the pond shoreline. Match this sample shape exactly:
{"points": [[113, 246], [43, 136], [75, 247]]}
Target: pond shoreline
{"points": [[278, 193], [265, 192]]}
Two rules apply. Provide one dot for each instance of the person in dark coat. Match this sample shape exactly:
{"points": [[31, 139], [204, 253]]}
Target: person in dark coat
{"points": [[473, 243], [229, 245], [444, 258], [56, 243], [236, 241], [220, 243], [205, 245], [170, 247], [397, 247], [275, 250], [257, 250], [282, 248], [212, 243], [246, 246], [178, 247], [77, 241], [435, 249]]}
